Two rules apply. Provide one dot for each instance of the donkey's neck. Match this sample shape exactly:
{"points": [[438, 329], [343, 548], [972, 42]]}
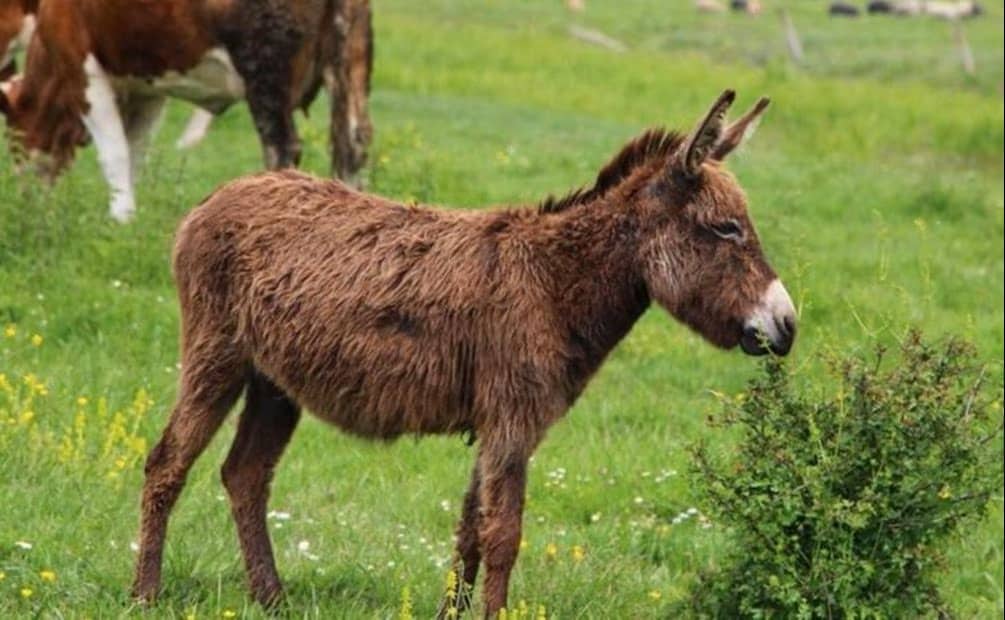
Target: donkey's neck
{"points": [[599, 288]]}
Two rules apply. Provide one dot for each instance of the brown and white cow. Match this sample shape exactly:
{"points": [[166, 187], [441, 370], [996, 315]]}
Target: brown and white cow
{"points": [[105, 67], [17, 23]]}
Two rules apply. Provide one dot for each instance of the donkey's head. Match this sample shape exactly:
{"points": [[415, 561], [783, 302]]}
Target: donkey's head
{"points": [[703, 261]]}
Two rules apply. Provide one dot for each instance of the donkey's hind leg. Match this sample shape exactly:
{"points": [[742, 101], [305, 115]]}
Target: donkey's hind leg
{"points": [[211, 382], [266, 426]]}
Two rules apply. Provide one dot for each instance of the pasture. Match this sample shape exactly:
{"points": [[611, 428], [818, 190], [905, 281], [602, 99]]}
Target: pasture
{"points": [[876, 184]]}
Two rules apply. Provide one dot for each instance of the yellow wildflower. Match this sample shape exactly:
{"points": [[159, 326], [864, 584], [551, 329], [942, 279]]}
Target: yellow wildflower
{"points": [[524, 544], [229, 613], [945, 493], [405, 613], [36, 340], [10, 330], [551, 550], [578, 553], [655, 595], [48, 575], [190, 616], [26, 592], [3, 575], [35, 384], [81, 401], [27, 417], [451, 595]]}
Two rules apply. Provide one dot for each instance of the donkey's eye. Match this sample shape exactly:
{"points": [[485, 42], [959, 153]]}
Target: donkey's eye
{"points": [[730, 229]]}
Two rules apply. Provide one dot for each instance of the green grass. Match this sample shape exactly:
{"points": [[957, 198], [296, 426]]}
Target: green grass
{"points": [[876, 183]]}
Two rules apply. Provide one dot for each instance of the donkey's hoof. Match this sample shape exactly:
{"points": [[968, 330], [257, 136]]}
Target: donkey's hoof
{"points": [[451, 609], [270, 597], [145, 596]]}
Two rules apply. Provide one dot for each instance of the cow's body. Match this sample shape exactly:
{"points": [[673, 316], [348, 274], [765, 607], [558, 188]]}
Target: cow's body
{"points": [[17, 24], [108, 65]]}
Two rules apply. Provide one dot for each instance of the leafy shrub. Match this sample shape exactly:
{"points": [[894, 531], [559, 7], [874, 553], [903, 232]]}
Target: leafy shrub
{"points": [[840, 506]]}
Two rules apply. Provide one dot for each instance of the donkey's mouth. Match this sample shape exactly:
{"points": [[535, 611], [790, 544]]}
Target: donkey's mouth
{"points": [[756, 342]]}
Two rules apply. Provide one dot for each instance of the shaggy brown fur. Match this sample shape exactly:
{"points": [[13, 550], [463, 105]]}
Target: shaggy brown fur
{"points": [[386, 319]]}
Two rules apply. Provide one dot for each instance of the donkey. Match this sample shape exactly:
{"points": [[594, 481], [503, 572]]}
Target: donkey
{"points": [[102, 69], [386, 319]]}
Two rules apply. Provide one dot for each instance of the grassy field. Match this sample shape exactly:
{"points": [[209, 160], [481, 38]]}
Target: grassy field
{"points": [[876, 182]]}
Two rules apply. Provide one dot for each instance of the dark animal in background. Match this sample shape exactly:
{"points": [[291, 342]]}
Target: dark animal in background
{"points": [[387, 319], [879, 7], [101, 69], [843, 9], [751, 7]]}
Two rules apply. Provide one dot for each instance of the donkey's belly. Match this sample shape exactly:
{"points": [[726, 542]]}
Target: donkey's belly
{"points": [[388, 425], [376, 399]]}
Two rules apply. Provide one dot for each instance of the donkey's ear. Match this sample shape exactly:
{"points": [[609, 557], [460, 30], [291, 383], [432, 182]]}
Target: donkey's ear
{"points": [[705, 136], [739, 130]]}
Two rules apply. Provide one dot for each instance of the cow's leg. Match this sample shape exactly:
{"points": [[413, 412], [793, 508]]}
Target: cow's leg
{"points": [[273, 117], [266, 426], [468, 555], [195, 130], [503, 467], [347, 79], [263, 52], [104, 123], [141, 116], [212, 377]]}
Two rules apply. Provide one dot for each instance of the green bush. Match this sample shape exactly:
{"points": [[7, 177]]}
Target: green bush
{"points": [[840, 506]]}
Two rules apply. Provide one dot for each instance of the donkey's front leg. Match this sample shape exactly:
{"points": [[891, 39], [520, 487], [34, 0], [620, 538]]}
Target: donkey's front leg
{"points": [[503, 483], [104, 123]]}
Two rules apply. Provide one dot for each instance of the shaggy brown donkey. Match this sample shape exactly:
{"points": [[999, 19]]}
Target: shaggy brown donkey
{"points": [[386, 319]]}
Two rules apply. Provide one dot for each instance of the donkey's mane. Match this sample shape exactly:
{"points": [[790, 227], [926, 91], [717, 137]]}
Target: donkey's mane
{"points": [[652, 144]]}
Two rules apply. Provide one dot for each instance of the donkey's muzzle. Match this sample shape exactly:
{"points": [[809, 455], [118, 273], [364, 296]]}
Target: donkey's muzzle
{"points": [[771, 327]]}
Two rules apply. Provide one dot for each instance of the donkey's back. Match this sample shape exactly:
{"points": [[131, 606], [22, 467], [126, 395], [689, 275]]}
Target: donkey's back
{"points": [[377, 316]]}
